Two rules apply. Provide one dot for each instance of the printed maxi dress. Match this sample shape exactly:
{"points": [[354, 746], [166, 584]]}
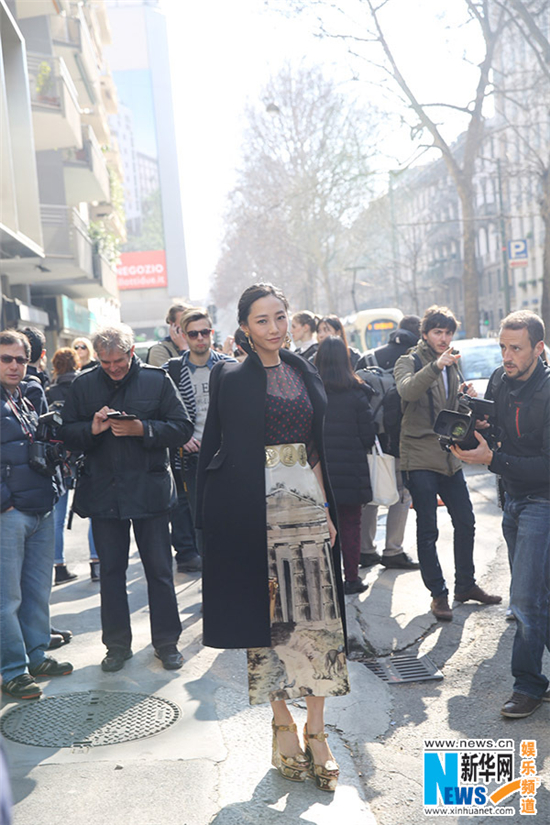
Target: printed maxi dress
{"points": [[307, 654]]}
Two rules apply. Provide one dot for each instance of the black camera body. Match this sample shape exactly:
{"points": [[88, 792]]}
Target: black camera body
{"points": [[458, 427], [45, 453]]}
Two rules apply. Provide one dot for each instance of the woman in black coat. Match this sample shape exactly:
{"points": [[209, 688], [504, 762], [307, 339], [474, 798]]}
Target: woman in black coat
{"points": [[271, 565], [349, 433]]}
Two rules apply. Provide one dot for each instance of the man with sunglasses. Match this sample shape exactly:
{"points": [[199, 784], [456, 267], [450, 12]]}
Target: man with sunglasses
{"points": [[26, 536], [194, 378]]}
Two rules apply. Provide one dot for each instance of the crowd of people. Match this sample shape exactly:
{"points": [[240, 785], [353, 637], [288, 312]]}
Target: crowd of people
{"points": [[252, 464]]}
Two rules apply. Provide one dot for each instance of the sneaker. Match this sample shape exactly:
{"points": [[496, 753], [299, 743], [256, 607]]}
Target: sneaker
{"points": [[190, 564], [94, 571], [22, 687], [509, 615], [56, 640], [476, 594], [50, 667], [170, 657], [62, 574], [67, 634], [440, 608], [355, 587], [369, 559], [115, 658], [520, 705], [401, 561]]}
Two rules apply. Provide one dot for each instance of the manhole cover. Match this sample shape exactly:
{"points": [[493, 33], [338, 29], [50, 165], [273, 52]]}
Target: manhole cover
{"points": [[97, 717], [404, 669]]}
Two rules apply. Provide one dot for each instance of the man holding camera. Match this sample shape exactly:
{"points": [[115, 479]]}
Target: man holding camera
{"points": [[26, 535], [124, 416], [428, 381], [520, 390]]}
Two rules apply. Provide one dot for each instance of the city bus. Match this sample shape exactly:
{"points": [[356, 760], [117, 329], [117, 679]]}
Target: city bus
{"points": [[370, 328]]}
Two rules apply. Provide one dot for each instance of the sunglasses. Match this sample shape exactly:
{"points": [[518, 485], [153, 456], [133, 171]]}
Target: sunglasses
{"points": [[80, 346], [20, 359], [194, 333]]}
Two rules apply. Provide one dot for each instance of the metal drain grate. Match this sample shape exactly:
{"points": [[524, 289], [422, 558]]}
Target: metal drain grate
{"points": [[97, 717], [404, 669]]}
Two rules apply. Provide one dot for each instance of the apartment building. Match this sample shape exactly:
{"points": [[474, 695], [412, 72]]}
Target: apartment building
{"points": [[62, 204]]}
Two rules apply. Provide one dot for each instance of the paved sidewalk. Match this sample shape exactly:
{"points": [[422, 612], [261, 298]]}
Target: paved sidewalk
{"points": [[213, 764]]}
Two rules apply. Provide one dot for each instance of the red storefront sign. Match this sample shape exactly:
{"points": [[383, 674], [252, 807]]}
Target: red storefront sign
{"points": [[142, 270]]}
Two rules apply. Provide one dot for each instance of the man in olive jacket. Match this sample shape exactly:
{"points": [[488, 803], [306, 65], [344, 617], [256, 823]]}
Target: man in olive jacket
{"points": [[126, 478], [428, 470]]}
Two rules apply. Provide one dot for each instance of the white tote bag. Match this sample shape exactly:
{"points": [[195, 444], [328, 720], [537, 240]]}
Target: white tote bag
{"points": [[382, 476]]}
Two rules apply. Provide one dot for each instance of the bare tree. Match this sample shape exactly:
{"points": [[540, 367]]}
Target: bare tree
{"points": [[373, 46], [304, 178]]}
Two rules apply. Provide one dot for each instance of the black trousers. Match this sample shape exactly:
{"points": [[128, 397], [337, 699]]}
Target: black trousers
{"points": [[112, 541]]}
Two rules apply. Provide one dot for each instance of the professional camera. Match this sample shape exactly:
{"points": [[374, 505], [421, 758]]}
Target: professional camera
{"points": [[46, 453], [458, 427]]}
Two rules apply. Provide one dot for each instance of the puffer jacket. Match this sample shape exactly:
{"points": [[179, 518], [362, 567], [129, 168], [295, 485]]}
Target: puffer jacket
{"points": [[349, 433], [22, 487], [419, 446], [125, 477]]}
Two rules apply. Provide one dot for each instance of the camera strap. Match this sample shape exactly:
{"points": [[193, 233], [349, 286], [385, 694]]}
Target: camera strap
{"points": [[21, 415]]}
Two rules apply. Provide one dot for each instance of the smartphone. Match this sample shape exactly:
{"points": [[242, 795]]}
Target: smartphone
{"points": [[118, 416]]}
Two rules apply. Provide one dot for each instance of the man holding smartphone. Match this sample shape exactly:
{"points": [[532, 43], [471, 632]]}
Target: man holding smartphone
{"points": [[124, 417]]}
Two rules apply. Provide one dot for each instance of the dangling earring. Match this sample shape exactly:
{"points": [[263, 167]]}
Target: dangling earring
{"points": [[288, 341], [250, 342]]}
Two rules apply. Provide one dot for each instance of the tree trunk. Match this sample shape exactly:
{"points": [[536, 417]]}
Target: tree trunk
{"points": [[469, 273], [545, 214]]}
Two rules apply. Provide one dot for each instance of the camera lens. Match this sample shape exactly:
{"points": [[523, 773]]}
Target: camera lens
{"points": [[459, 429]]}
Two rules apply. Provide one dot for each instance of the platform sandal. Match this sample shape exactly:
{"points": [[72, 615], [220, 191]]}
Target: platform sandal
{"points": [[325, 776], [294, 768]]}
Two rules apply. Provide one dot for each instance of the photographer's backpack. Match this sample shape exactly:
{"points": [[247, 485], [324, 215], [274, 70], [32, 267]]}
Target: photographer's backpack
{"points": [[385, 401]]}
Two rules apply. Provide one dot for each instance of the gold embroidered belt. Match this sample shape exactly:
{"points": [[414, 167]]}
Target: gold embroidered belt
{"points": [[287, 454]]}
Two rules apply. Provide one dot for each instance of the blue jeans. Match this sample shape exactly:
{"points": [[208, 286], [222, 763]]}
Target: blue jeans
{"points": [[182, 528], [425, 486], [59, 517], [526, 528], [26, 559]]}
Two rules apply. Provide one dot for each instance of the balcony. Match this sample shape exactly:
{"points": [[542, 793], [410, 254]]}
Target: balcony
{"points": [[107, 213], [54, 102], [97, 119], [85, 171], [71, 266], [39, 7], [109, 95], [72, 41]]}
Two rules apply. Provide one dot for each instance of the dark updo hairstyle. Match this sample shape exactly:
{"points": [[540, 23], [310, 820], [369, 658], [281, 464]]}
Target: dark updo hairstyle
{"points": [[334, 365], [306, 319], [336, 324], [254, 293]]}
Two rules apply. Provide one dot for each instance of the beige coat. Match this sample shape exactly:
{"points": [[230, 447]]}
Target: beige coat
{"points": [[419, 446]]}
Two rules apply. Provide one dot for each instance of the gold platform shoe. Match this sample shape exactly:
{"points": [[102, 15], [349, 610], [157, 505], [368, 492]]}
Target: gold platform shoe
{"points": [[294, 768], [325, 776]]}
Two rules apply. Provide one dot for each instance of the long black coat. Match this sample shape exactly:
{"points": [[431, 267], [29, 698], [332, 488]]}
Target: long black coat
{"points": [[125, 477], [231, 504], [349, 433]]}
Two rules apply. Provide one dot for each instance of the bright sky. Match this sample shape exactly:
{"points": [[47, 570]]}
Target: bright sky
{"points": [[222, 52]]}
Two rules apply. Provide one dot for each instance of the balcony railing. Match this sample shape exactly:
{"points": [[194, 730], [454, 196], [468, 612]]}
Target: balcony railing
{"points": [[66, 236], [54, 101], [85, 171], [48, 76]]}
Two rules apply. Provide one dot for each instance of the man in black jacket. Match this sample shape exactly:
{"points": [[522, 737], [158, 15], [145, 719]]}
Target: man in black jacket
{"points": [[26, 535], [126, 478], [521, 392], [393, 556]]}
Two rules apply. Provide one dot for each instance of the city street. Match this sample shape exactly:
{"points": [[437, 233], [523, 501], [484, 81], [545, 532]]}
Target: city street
{"points": [[211, 763]]}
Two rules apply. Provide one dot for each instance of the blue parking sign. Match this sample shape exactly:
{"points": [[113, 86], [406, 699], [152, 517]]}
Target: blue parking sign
{"points": [[517, 253]]}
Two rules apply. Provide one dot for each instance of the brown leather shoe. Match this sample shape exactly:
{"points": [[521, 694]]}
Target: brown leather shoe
{"points": [[440, 608], [476, 594], [520, 705]]}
